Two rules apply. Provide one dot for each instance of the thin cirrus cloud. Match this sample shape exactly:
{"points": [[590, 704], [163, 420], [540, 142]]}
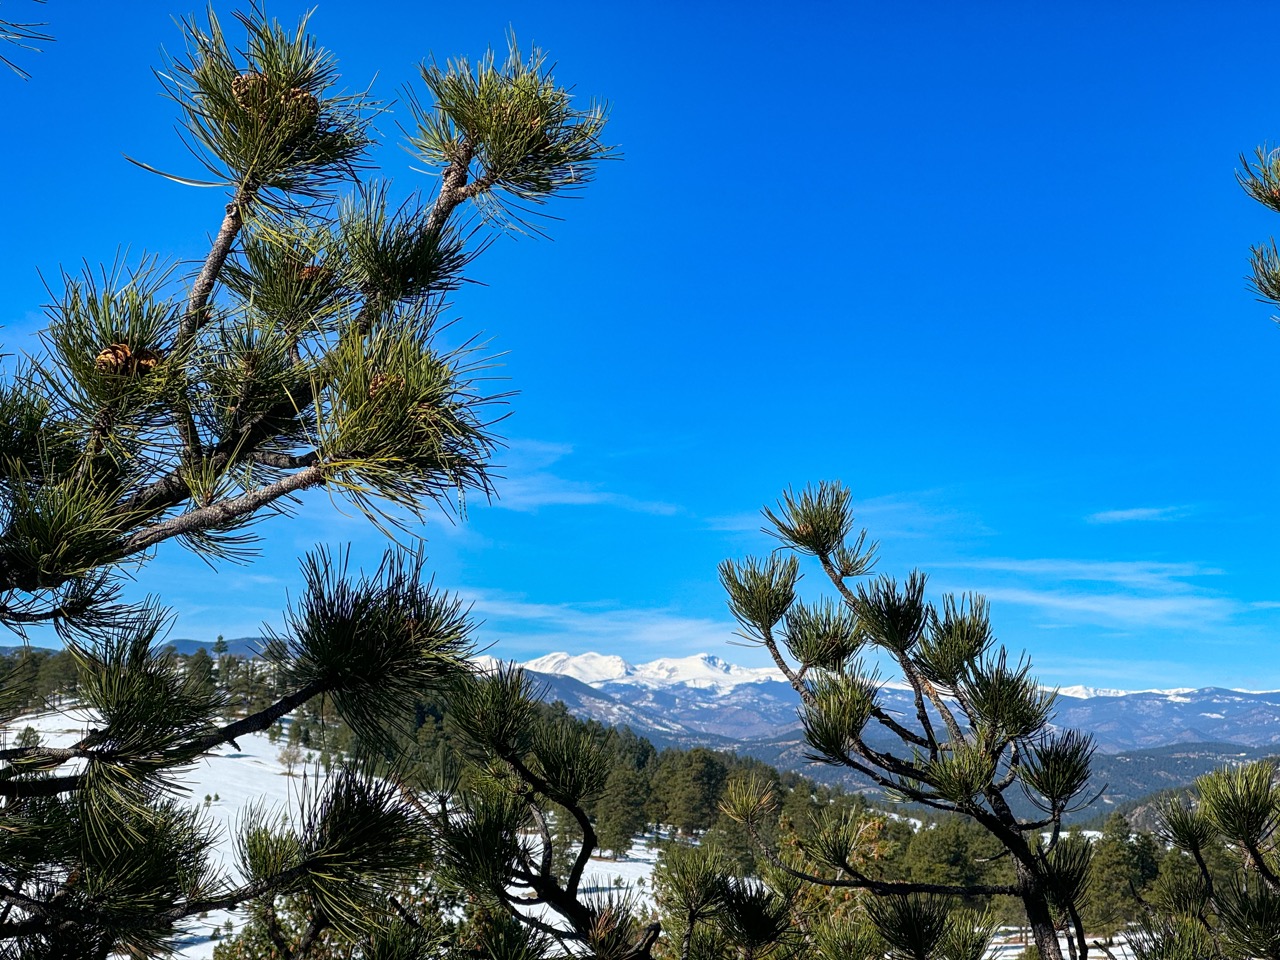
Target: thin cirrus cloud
{"points": [[531, 491], [528, 484], [1139, 514], [1109, 593], [1153, 575], [1122, 609], [515, 627]]}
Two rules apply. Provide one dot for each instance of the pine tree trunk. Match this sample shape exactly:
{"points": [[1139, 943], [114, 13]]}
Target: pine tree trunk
{"points": [[1039, 915]]}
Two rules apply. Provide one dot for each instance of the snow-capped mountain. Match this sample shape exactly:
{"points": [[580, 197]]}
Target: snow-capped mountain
{"points": [[1087, 693], [705, 699], [686, 701], [702, 671]]}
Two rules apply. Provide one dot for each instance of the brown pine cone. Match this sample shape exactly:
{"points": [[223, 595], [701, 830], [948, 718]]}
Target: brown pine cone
{"points": [[312, 273], [114, 359], [250, 90], [381, 381], [144, 361]]}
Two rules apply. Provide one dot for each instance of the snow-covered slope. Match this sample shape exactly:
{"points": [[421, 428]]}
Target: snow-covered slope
{"points": [[237, 778], [590, 668], [1078, 692], [701, 671], [252, 775]]}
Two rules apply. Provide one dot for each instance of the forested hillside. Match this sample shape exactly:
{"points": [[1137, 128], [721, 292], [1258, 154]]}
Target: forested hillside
{"points": [[684, 790]]}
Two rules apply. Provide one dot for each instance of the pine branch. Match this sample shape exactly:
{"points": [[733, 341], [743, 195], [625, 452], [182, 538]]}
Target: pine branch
{"points": [[218, 515], [43, 787], [453, 185], [197, 313], [857, 880]]}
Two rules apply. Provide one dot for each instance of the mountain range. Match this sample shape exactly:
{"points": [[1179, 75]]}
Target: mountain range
{"points": [[1147, 740], [704, 696]]}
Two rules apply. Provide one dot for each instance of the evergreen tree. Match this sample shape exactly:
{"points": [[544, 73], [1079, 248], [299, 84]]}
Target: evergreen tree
{"points": [[1218, 894], [981, 728], [303, 354], [1122, 868], [955, 852], [199, 670], [620, 811], [503, 839], [965, 691], [689, 785]]}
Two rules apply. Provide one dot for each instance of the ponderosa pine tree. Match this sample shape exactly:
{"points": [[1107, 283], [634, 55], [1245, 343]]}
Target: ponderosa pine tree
{"points": [[1202, 910], [502, 835], [980, 732], [301, 354]]}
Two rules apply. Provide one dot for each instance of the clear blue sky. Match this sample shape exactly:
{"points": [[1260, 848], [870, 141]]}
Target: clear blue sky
{"points": [[983, 262]]}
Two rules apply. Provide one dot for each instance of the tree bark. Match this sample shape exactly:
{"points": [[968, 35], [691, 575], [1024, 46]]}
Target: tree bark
{"points": [[1043, 931]]}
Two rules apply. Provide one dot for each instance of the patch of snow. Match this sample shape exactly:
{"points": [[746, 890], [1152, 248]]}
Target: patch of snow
{"points": [[239, 778], [1080, 692]]}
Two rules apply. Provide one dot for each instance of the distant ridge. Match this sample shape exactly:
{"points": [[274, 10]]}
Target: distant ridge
{"points": [[240, 646]]}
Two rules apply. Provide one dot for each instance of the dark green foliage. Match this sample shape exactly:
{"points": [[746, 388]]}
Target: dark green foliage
{"points": [[754, 918], [980, 732], [164, 404], [303, 353], [687, 787], [372, 644], [1122, 870], [821, 635], [1057, 770], [956, 852], [835, 715], [266, 120], [511, 127], [760, 591], [620, 811], [911, 924], [958, 636]]}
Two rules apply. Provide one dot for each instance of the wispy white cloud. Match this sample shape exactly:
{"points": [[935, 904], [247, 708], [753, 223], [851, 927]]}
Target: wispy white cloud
{"points": [[529, 484], [519, 627], [1118, 594], [1128, 673], [1180, 610], [1138, 514], [1153, 575], [736, 522], [528, 492], [915, 515]]}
